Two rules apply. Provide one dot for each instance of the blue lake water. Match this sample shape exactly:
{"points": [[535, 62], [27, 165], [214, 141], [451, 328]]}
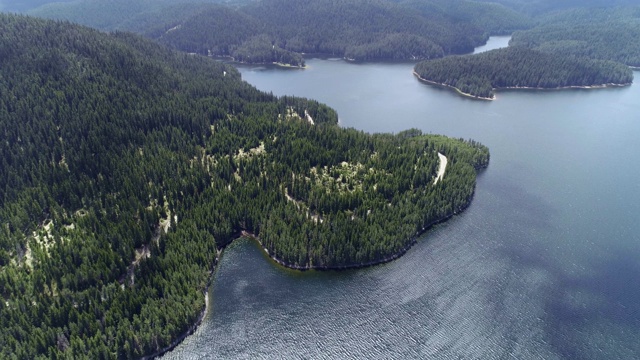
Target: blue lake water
{"points": [[544, 264]]}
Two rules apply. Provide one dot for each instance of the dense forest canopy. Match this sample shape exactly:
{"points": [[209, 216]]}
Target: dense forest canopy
{"points": [[116, 14], [280, 30], [605, 33], [516, 67], [542, 7], [492, 18], [127, 166]]}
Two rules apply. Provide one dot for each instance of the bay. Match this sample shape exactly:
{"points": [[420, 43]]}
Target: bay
{"points": [[544, 264]]}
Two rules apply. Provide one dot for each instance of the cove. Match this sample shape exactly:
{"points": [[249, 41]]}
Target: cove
{"points": [[543, 264]]}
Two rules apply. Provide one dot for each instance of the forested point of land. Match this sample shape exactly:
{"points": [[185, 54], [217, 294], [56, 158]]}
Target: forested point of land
{"points": [[603, 33], [280, 31], [126, 166], [520, 67]]}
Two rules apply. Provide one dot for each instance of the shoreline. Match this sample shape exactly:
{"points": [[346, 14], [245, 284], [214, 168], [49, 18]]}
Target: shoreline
{"points": [[396, 255], [193, 327], [460, 92], [587, 87], [231, 59], [323, 56], [245, 234], [287, 66]]}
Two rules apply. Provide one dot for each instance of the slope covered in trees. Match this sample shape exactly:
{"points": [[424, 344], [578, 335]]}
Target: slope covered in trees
{"points": [[350, 28], [122, 14], [280, 30], [542, 7], [519, 67], [607, 34], [126, 166], [357, 29], [491, 18], [223, 31]]}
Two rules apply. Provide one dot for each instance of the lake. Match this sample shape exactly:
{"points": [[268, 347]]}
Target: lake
{"points": [[544, 264]]}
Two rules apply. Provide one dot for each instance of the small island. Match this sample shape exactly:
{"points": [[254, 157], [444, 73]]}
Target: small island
{"points": [[520, 68]]}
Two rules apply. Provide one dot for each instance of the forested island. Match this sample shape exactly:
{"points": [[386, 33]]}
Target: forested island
{"points": [[519, 67], [280, 31], [127, 166]]}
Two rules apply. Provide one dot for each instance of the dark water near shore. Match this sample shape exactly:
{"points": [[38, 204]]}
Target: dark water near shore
{"points": [[544, 264]]}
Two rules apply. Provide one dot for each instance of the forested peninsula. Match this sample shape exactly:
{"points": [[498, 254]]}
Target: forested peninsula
{"points": [[281, 31], [127, 166], [571, 44], [519, 67]]}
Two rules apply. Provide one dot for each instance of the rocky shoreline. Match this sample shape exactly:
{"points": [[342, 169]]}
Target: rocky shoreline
{"points": [[387, 259], [460, 92]]}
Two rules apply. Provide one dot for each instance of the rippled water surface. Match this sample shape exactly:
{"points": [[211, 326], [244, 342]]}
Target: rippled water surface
{"points": [[544, 264]]}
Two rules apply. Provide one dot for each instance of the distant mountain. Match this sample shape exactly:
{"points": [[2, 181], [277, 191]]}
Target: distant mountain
{"points": [[25, 5], [604, 33], [540, 7], [114, 14], [280, 30], [492, 18]]}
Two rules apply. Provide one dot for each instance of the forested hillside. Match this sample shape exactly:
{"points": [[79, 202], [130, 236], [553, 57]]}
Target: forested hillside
{"points": [[605, 33], [118, 14], [491, 18], [224, 31], [127, 166], [352, 27], [541, 7], [520, 67], [280, 30]]}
